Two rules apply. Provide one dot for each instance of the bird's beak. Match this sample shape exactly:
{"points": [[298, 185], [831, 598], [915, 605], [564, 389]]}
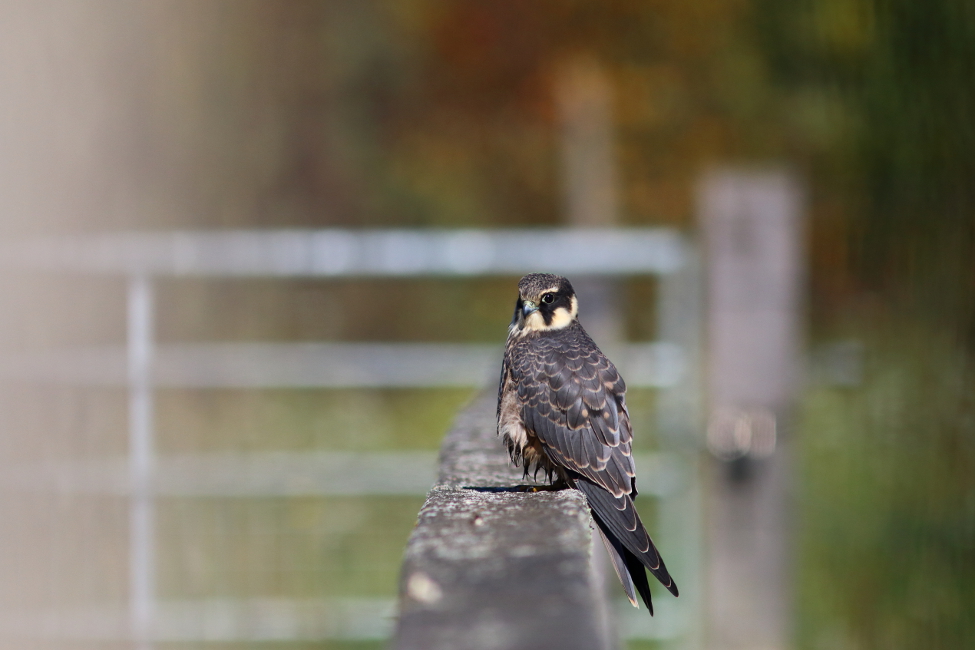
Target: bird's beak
{"points": [[528, 307]]}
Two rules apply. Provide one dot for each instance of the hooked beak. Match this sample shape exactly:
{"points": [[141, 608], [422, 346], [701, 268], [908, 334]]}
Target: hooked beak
{"points": [[528, 307]]}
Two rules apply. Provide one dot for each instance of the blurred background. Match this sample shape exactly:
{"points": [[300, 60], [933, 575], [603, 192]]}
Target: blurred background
{"points": [[168, 115]]}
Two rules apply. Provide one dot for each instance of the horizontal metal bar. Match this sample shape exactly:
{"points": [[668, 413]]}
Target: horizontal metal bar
{"points": [[268, 365], [357, 253], [270, 474], [318, 365], [270, 619], [214, 620], [283, 474]]}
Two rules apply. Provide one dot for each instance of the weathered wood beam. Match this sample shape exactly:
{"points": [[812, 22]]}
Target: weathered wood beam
{"points": [[499, 570]]}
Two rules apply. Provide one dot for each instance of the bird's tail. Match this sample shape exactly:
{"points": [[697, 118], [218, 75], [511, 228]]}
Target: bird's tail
{"points": [[629, 545], [628, 570]]}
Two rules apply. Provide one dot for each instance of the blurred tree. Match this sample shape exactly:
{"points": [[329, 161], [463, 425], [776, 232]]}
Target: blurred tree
{"points": [[884, 107], [422, 112]]}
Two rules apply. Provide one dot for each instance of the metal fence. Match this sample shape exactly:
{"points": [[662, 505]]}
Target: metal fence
{"points": [[669, 364]]}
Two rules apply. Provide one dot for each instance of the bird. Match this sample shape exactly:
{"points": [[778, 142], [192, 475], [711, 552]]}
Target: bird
{"points": [[562, 411]]}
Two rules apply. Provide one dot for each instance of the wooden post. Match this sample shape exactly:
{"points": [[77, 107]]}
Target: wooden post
{"points": [[751, 224], [584, 99], [497, 570]]}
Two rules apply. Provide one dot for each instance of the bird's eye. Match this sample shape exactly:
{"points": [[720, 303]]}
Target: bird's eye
{"points": [[548, 298]]}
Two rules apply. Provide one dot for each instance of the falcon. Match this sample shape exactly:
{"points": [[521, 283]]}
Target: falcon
{"points": [[562, 412]]}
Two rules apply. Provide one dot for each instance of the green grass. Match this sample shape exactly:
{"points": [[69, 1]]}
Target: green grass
{"points": [[309, 419], [284, 548]]}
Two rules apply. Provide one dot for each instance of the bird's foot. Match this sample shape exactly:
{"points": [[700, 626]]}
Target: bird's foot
{"points": [[554, 487]]}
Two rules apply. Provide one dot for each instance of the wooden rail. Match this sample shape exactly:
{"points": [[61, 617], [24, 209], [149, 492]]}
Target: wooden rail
{"points": [[497, 569]]}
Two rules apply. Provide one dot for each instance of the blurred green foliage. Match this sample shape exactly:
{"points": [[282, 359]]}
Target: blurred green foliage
{"points": [[309, 547], [887, 495], [310, 419]]}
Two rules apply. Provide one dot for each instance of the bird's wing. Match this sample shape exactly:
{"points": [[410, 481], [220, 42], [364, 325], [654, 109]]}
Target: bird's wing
{"points": [[572, 400], [501, 384]]}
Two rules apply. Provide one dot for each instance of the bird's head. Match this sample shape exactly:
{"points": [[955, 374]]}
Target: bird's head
{"points": [[545, 302]]}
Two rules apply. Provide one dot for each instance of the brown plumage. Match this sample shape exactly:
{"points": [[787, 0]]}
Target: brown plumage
{"points": [[561, 411]]}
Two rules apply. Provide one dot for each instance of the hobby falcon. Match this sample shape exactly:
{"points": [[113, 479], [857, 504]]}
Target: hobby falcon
{"points": [[561, 411]]}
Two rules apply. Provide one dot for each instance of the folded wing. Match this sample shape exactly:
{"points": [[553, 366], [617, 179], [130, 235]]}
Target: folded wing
{"points": [[573, 401]]}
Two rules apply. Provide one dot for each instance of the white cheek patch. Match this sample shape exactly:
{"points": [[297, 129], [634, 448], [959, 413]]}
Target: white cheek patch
{"points": [[560, 318]]}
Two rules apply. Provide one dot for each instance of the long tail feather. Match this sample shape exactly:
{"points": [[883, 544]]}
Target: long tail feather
{"points": [[618, 520], [619, 564], [635, 567]]}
